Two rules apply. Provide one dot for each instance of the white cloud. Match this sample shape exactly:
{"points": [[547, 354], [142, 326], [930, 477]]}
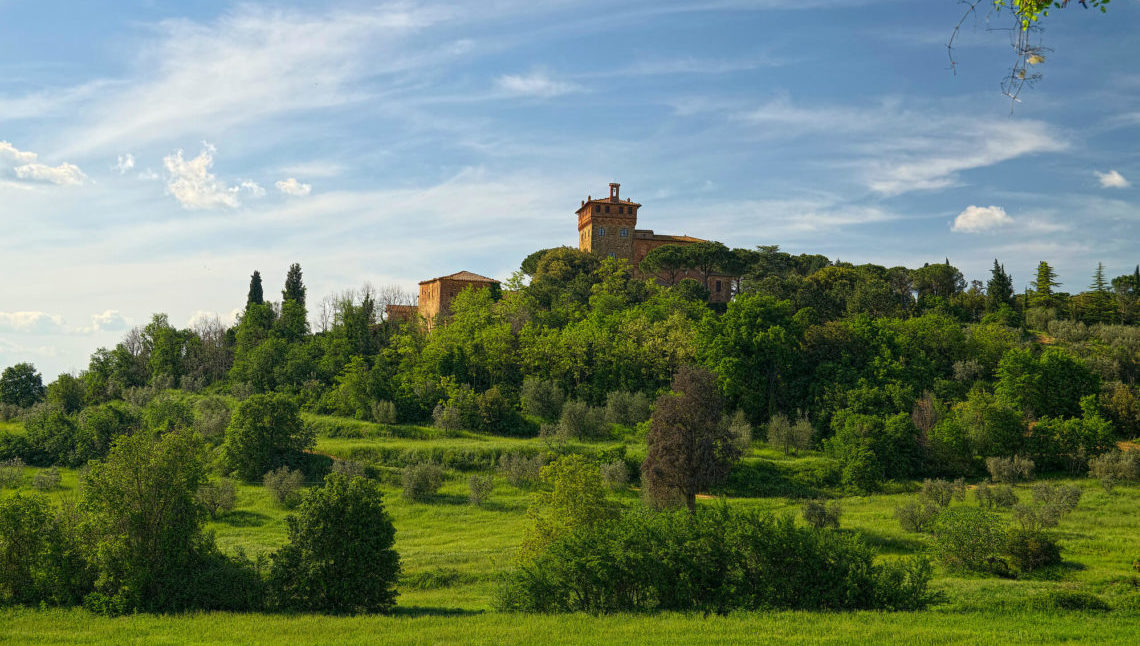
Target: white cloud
{"points": [[1112, 179], [30, 322], [978, 219], [192, 183], [292, 187], [536, 84], [11, 153], [125, 163], [27, 168], [253, 187], [63, 174], [106, 321]]}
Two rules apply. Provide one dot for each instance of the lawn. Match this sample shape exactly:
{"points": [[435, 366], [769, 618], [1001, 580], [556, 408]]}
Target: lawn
{"points": [[452, 552]]}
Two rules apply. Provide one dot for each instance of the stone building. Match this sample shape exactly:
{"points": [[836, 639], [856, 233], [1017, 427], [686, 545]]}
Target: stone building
{"points": [[436, 295], [608, 227]]}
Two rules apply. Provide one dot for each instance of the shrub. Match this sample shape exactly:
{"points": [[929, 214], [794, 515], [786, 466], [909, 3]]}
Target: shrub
{"points": [[819, 514], [211, 417], [1030, 550], [11, 473], [481, 488], [284, 485], [542, 398], [39, 559], [1010, 470], [715, 560], [339, 557], [520, 469], [1114, 467], [576, 498], [627, 409], [349, 468], [218, 497], [265, 433], [47, 480], [994, 497], [9, 412], [422, 481], [615, 474], [740, 430], [916, 516], [969, 538], [941, 492], [580, 421], [1051, 503], [497, 415], [448, 416], [384, 412]]}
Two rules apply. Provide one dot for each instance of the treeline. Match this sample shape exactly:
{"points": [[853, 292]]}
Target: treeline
{"points": [[898, 372]]}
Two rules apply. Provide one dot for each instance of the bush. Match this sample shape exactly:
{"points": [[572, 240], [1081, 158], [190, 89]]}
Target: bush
{"points": [[448, 416], [497, 415], [339, 557], [941, 492], [542, 398], [384, 412], [819, 514], [218, 497], [211, 417], [1029, 550], [422, 481], [1114, 467], [716, 560], [349, 468], [520, 469], [969, 538], [481, 488], [580, 421], [11, 473], [916, 516], [1051, 503], [284, 485], [993, 497], [615, 474], [39, 559], [47, 480], [740, 430], [626, 409], [265, 433], [1010, 470]]}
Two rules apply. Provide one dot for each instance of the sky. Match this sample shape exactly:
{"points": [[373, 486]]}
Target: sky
{"points": [[153, 154]]}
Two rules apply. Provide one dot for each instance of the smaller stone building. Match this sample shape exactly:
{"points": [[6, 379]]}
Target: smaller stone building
{"points": [[436, 295]]}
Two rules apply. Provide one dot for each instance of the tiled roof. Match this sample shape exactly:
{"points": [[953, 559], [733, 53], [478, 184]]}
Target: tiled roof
{"points": [[462, 275]]}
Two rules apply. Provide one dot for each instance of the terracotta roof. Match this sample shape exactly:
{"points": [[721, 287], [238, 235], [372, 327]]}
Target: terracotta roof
{"points": [[606, 200], [662, 236], [462, 275]]}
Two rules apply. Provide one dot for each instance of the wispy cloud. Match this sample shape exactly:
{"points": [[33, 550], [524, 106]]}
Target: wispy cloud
{"points": [[536, 84], [125, 163], [31, 322], [28, 168], [293, 187], [192, 183]]}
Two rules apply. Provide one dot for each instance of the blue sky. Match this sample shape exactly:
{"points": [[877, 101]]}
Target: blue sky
{"points": [[153, 154]]}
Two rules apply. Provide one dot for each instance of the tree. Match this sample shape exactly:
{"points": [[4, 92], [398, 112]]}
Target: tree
{"points": [[1042, 294], [999, 289], [666, 261], [688, 449], [576, 499], [293, 323], [265, 432], [339, 557], [707, 257], [256, 295], [21, 385], [294, 288], [1098, 303], [39, 560], [145, 518], [67, 392]]}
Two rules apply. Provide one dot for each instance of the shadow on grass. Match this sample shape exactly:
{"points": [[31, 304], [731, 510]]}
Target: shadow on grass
{"points": [[244, 518], [429, 611], [891, 543], [760, 478]]}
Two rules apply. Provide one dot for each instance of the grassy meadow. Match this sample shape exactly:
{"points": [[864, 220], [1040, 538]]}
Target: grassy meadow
{"points": [[452, 552]]}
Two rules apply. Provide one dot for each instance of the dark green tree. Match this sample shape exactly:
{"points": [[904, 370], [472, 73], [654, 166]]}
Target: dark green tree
{"points": [[265, 432], [339, 557], [256, 294], [688, 449], [666, 261], [999, 289], [1099, 305], [1042, 294], [21, 385], [294, 287]]}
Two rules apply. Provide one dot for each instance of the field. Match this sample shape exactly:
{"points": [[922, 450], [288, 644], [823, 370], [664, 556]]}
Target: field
{"points": [[452, 552]]}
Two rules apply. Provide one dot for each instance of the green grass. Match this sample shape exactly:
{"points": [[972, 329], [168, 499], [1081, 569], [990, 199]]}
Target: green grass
{"points": [[452, 552], [11, 427]]}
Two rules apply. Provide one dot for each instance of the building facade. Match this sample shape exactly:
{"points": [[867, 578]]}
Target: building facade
{"points": [[607, 227]]}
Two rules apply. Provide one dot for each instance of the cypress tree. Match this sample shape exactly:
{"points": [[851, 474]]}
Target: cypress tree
{"points": [[256, 296], [999, 289], [294, 288], [1099, 303], [1043, 286]]}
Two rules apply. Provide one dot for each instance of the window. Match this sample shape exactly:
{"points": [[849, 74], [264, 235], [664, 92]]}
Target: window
{"points": [[601, 232], [624, 233], [607, 208], [718, 286], [621, 210], [597, 209]]}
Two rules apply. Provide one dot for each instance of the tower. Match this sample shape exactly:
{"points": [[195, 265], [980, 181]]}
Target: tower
{"points": [[605, 225]]}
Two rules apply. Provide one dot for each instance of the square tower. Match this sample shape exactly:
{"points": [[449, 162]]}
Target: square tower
{"points": [[605, 225]]}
